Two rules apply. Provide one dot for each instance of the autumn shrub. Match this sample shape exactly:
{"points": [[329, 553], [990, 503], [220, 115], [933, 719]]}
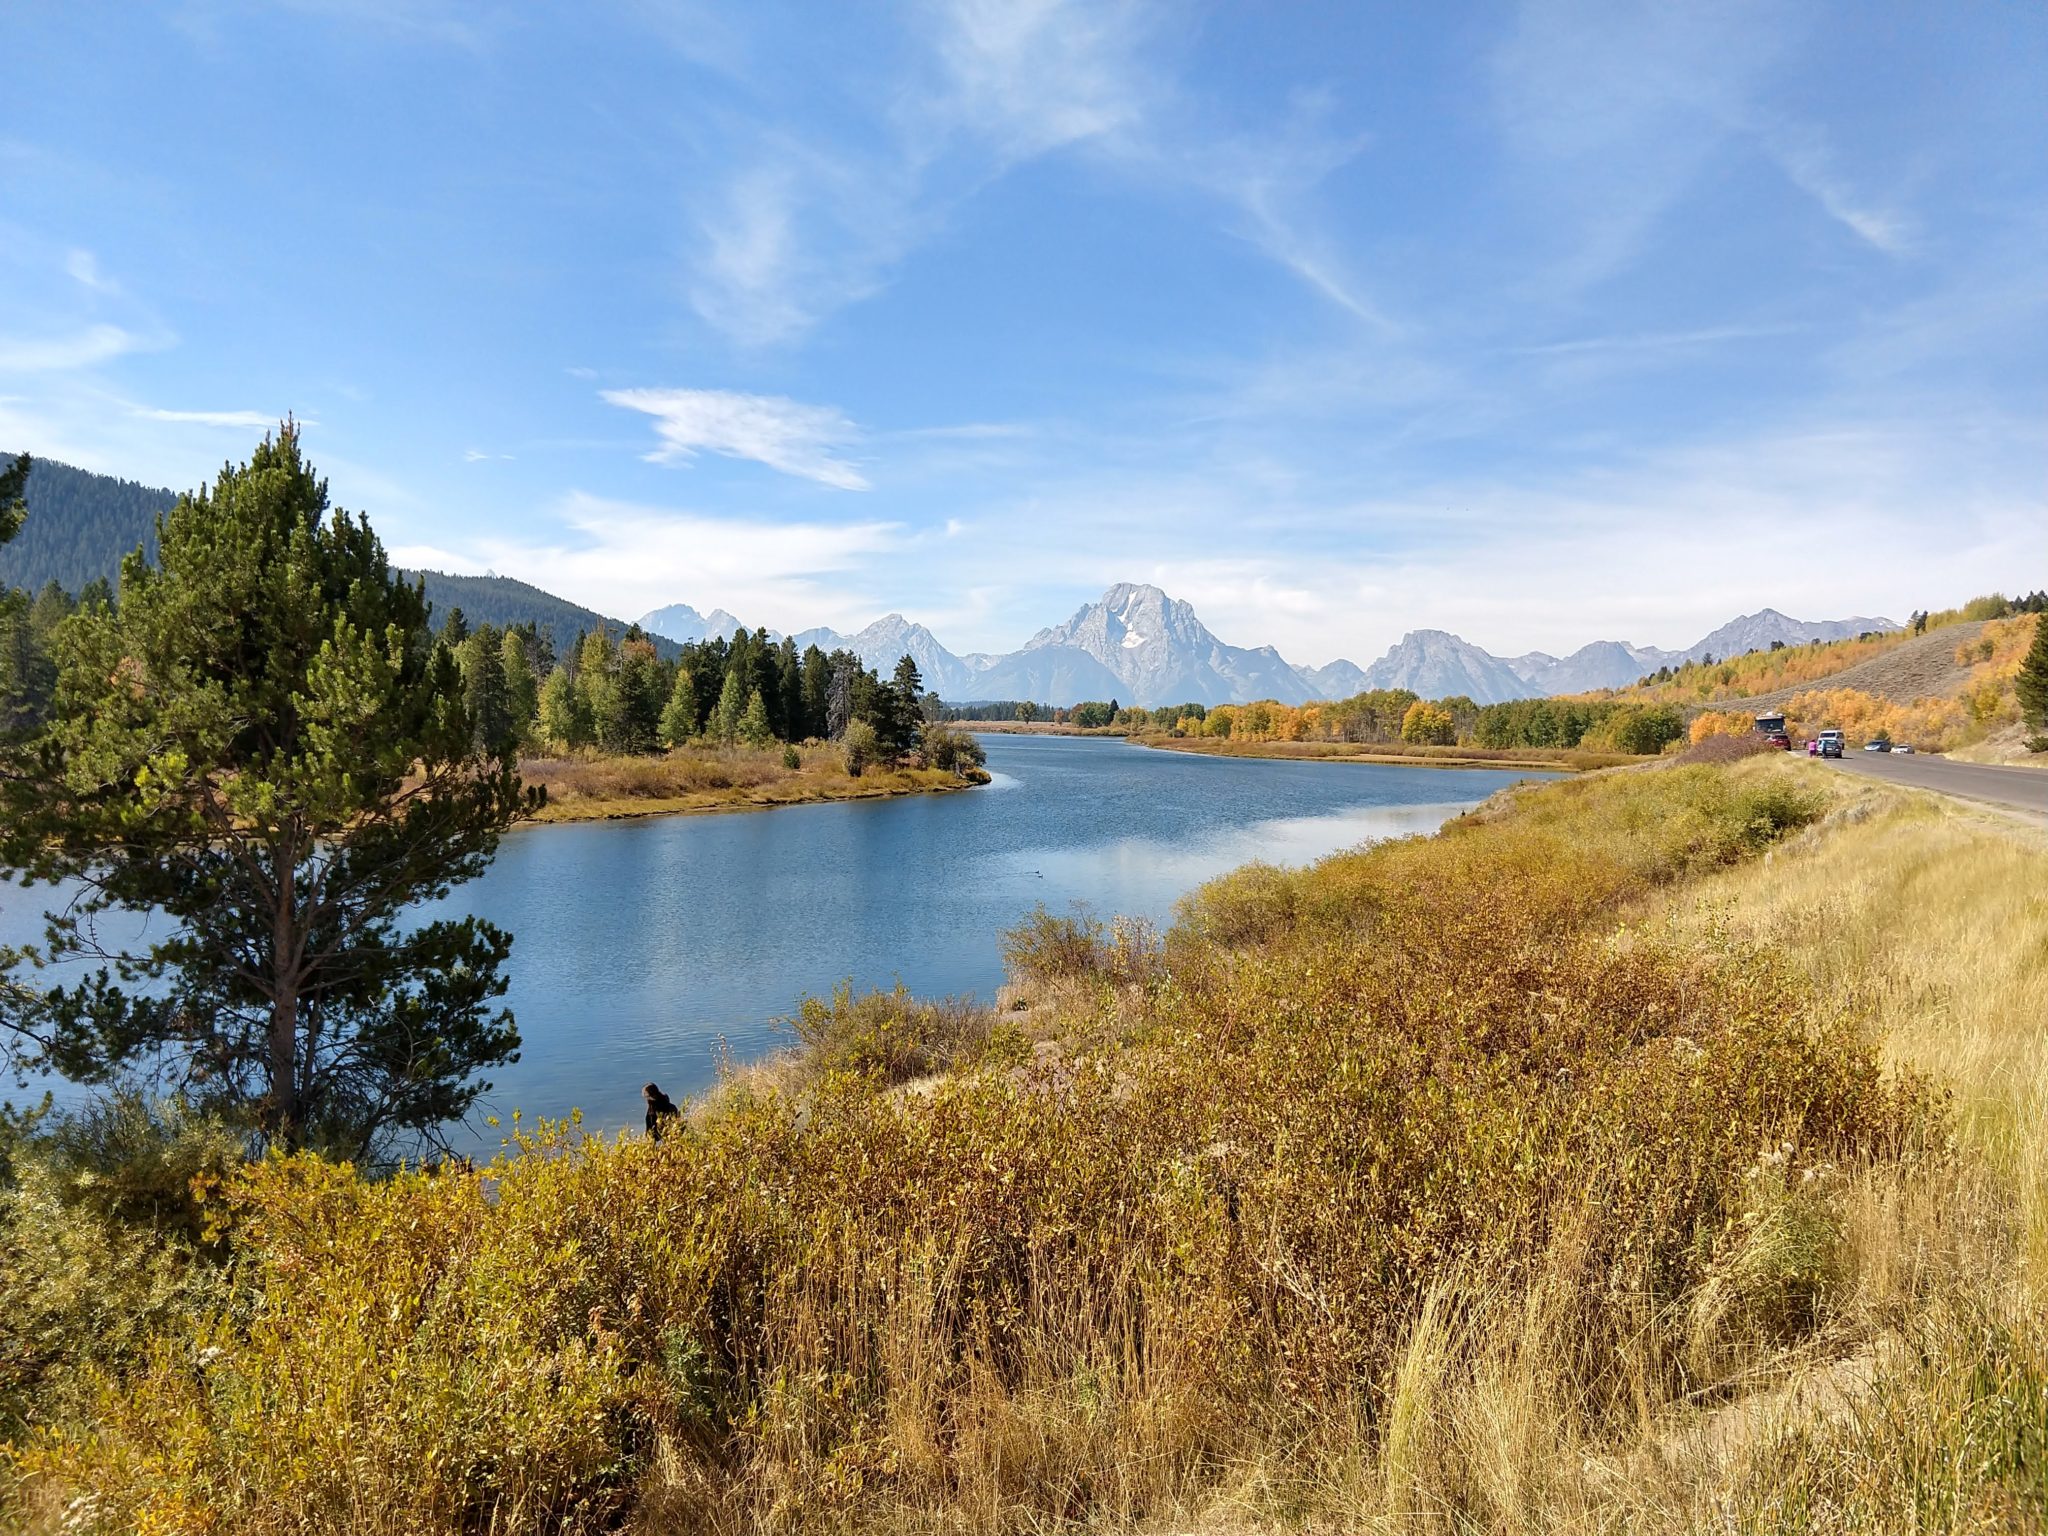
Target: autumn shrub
{"points": [[889, 1035], [861, 747], [1077, 1287], [1723, 747], [104, 1218]]}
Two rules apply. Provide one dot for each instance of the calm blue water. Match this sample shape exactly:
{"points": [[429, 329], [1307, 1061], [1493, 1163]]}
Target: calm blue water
{"points": [[642, 944]]}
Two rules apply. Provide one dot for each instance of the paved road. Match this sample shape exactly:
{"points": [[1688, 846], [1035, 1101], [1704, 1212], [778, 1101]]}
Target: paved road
{"points": [[2023, 789]]}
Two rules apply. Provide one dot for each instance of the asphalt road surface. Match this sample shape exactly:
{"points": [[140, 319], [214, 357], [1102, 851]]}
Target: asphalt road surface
{"points": [[2022, 789]]}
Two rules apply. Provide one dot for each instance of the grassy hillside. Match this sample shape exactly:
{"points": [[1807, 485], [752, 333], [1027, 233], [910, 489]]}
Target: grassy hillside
{"points": [[1653, 1151]]}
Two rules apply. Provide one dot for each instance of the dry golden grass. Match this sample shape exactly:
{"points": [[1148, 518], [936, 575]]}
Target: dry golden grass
{"points": [[715, 779]]}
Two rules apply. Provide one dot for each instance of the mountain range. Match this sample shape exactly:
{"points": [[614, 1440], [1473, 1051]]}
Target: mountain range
{"points": [[1140, 646], [1134, 644]]}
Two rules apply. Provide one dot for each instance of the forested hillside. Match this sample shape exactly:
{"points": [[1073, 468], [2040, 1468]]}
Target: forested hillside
{"points": [[80, 526], [503, 603]]}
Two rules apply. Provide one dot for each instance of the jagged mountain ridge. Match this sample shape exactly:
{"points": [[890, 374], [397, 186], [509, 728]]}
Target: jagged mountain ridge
{"points": [[1140, 646], [1440, 665]]}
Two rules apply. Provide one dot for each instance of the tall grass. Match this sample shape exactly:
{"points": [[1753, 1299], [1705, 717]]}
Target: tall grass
{"points": [[1508, 1180]]}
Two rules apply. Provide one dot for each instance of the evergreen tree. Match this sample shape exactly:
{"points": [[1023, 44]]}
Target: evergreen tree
{"points": [[731, 709], [564, 718], [678, 721], [264, 746], [754, 730], [640, 698], [456, 629], [840, 694], [485, 695], [788, 712], [597, 683], [817, 687], [2032, 682], [13, 480], [522, 691]]}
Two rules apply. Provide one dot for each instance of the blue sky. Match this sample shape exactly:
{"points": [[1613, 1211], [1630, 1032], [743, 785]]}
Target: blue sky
{"points": [[1542, 323]]}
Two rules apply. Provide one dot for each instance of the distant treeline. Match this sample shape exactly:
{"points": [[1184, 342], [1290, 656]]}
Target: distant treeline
{"points": [[618, 694], [611, 692], [1380, 715]]}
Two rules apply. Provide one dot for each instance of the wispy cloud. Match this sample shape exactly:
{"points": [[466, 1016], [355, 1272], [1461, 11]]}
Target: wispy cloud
{"points": [[783, 434], [1802, 154], [1030, 76], [1655, 341], [84, 269], [253, 420], [801, 227], [1609, 111], [60, 354]]}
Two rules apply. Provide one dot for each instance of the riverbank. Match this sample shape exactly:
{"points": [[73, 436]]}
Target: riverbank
{"points": [[1036, 728], [1554, 759], [1552, 1137], [694, 779]]}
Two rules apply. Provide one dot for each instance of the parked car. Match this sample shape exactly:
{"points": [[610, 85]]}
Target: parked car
{"points": [[1877, 746], [1904, 746], [1779, 740], [1830, 743]]}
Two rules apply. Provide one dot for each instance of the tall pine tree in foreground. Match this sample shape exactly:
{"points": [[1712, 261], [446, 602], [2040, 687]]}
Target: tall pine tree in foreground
{"points": [[266, 745]]}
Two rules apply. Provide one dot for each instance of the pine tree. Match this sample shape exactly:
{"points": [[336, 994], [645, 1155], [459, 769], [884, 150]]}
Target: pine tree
{"points": [[731, 709], [13, 481], [754, 729], [678, 721], [485, 695], [522, 691], [564, 719], [2031, 685], [640, 698], [265, 747]]}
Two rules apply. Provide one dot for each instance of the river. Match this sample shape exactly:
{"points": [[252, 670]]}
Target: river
{"points": [[642, 946]]}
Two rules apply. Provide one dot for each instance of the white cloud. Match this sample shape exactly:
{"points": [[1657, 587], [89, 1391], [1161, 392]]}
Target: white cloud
{"points": [[798, 228], [783, 434], [1803, 156], [60, 354], [1031, 76], [625, 559], [253, 420], [84, 269]]}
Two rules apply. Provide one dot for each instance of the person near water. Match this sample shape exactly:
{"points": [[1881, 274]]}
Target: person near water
{"points": [[660, 1107]]}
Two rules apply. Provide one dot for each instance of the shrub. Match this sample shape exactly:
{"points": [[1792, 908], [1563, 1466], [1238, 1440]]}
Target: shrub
{"points": [[1718, 747], [104, 1215], [889, 1035], [1049, 947], [792, 759], [863, 748]]}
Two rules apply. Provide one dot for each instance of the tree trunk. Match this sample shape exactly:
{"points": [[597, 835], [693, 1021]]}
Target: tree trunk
{"points": [[284, 1128]]}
